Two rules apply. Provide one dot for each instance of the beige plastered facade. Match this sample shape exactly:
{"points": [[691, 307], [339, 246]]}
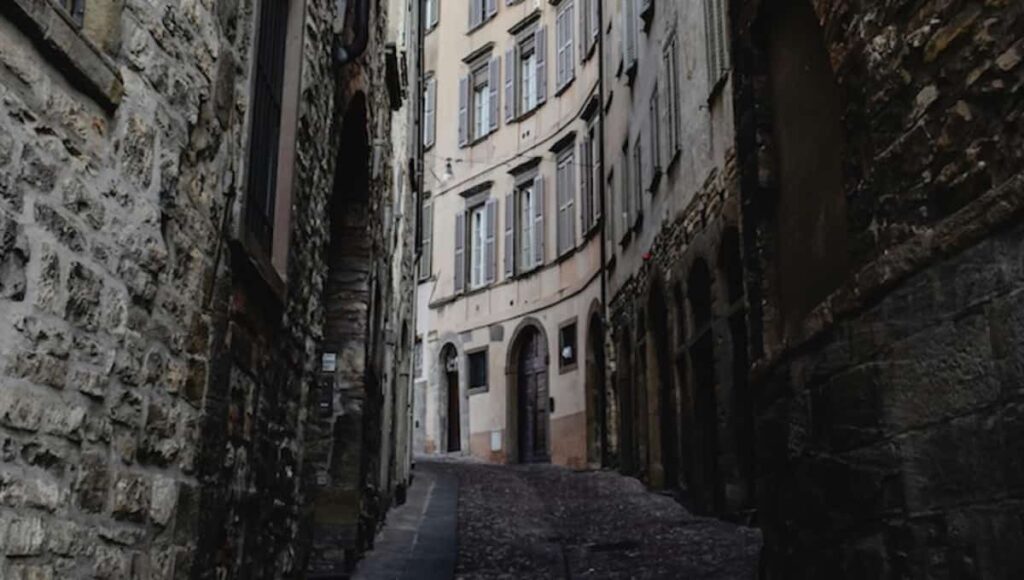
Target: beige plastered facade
{"points": [[562, 290]]}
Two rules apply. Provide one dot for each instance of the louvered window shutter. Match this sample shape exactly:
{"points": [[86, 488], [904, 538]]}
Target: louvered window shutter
{"points": [[595, 21], [584, 12], [560, 49], [541, 48], [430, 113], [570, 204], [570, 44], [585, 187], [510, 84], [463, 111], [492, 8], [538, 221], [625, 194], [664, 122], [510, 235], [460, 251], [475, 13], [561, 227], [427, 240], [490, 243], [493, 84]]}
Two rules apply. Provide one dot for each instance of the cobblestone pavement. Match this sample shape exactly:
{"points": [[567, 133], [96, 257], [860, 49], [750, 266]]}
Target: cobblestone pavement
{"points": [[540, 521]]}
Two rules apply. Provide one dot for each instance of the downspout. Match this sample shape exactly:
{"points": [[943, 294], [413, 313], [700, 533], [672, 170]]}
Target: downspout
{"points": [[604, 168], [344, 54]]}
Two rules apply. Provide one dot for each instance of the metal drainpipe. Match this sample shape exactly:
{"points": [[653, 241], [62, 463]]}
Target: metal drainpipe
{"points": [[346, 54], [604, 168]]}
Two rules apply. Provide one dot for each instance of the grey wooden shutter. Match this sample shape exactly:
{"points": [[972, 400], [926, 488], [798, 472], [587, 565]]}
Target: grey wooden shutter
{"points": [[625, 194], [510, 85], [560, 35], [561, 225], [490, 243], [584, 12], [538, 220], [570, 203], [474, 13], [492, 8], [460, 251], [463, 111], [665, 150], [432, 13], [510, 235], [570, 44], [430, 113], [426, 258], [493, 82], [586, 188], [595, 21], [541, 48]]}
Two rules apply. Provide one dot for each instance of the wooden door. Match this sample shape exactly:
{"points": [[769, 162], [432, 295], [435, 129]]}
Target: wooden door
{"points": [[533, 399]]}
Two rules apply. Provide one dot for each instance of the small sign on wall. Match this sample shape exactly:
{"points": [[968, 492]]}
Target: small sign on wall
{"points": [[329, 362], [495, 440]]}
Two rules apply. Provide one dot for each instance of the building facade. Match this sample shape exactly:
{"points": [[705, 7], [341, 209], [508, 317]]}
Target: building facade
{"points": [[510, 273], [203, 371]]}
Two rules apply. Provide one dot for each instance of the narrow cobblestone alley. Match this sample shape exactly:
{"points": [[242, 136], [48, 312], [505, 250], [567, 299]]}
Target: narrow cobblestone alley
{"points": [[543, 521]]}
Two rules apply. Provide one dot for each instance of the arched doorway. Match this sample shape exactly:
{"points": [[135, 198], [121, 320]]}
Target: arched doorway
{"points": [[453, 399], [709, 495], [531, 395], [668, 414], [597, 397]]}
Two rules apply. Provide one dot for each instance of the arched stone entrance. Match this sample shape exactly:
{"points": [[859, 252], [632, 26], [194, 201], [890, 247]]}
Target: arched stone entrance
{"points": [[453, 398], [597, 399], [664, 388], [708, 495], [527, 374]]}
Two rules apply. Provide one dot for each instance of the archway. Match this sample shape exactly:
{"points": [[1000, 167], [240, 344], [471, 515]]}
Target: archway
{"points": [[709, 495], [453, 398], [597, 400], [627, 424], [529, 390], [668, 414]]}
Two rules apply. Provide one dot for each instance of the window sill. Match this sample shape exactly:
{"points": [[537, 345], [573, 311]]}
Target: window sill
{"points": [[571, 367], [61, 40], [526, 115], [482, 23], [717, 88], [478, 390], [565, 86], [655, 180]]}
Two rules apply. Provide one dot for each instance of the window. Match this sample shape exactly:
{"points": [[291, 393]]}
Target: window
{"points": [[417, 359], [567, 346], [565, 190], [524, 226], [426, 240], [432, 12], [478, 101], [637, 187], [628, 36], [670, 76], [479, 236], [429, 112], [75, 9], [526, 73], [565, 66], [716, 26], [478, 370], [590, 176], [654, 148], [265, 138], [590, 26], [481, 11]]}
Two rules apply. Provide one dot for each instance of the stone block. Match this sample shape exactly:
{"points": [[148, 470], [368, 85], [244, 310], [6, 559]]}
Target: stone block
{"points": [[20, 489], [65, 232], [48, 288], [163, 501], [26, 536], [90, 383], [14, 256], [111, 563], [31, 572], [83, 291], [131, 496], [39, 369], [126, 408], [92, 487], [21, 409]]}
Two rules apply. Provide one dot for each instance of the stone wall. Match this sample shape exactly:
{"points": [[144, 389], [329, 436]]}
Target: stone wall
{"points": [[889, 417], [155, 391]]}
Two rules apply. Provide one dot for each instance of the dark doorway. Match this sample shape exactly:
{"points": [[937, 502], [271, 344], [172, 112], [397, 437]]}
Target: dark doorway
{"points": [[668, 414], [709, 495], [532, 397], [640, 401], [597, 399], [627, 424], [450, 362], [807, 111]]}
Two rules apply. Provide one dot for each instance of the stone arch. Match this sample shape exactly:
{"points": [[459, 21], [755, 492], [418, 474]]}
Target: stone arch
{"points": [[596, 387], [662, 390], [451, 411], [519, 382]]}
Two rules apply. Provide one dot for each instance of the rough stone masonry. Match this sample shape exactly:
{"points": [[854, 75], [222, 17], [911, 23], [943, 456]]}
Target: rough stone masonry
{"points": [[154, 392]]}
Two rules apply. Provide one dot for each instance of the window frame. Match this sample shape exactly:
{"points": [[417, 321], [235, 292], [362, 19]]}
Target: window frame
{"points": [[480, 87], [563, 366], [565, 193], [480, 354], [716, 44], [565, 45], [476, 246], [426, 264], [670, 62], [430, 24]]}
